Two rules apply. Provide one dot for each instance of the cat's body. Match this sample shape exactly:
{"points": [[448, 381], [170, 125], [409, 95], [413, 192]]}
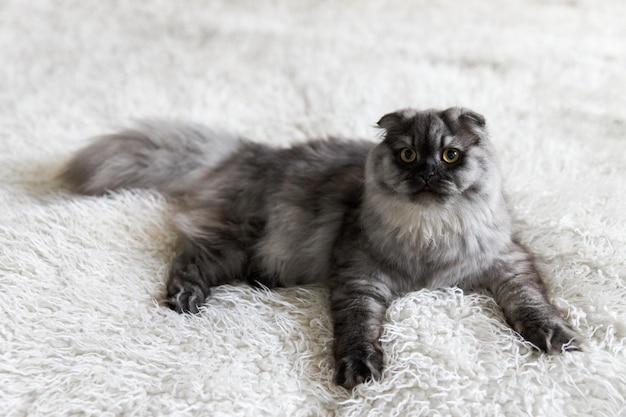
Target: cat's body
{"points": [[422, 209]]}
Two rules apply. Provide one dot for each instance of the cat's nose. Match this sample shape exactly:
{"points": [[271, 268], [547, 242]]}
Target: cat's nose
{"points": [[427, 176], [427, 170]]}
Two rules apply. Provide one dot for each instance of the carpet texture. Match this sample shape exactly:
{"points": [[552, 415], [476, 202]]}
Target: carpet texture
{"points": [[81, 330]]}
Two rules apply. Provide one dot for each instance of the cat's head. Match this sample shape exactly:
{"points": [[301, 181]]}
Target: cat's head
{"points": [[432, 155]]}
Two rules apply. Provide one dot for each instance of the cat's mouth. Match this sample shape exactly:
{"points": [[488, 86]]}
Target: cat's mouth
{"points": [[430, 190], [420, 190], [427, 188]]}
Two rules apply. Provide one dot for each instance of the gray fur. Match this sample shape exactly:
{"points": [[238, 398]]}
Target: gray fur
{"points": [[154, 154], [349, 214]]}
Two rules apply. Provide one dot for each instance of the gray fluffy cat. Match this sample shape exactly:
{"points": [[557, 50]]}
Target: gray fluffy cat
{"points": [[421, 209]]}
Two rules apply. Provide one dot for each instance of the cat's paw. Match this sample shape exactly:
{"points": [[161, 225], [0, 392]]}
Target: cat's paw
{"points": [[551, 336], [185, 292], [358, 365]]}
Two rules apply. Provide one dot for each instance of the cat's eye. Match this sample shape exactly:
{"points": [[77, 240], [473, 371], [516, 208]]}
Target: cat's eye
{"points": [[451, 155], [408, 155]]}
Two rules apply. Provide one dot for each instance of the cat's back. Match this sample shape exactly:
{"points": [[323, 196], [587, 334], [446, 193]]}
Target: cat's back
{"points": [[316, 159], [312, 162], [324, 166], [307, 175]]}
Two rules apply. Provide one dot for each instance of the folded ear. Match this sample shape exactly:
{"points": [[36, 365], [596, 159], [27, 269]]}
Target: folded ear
{"points": [[472, 117], [395, 119], [466, 117], [390, 120]]}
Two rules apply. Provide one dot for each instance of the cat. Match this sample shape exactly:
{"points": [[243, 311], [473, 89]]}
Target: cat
{"points": [[421, 208]]}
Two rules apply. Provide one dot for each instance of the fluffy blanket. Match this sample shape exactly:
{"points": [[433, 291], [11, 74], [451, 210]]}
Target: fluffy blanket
{"points": [[81, 328]]}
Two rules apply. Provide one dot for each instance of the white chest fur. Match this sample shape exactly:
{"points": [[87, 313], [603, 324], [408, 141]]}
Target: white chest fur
{"points": [[434, 243]]}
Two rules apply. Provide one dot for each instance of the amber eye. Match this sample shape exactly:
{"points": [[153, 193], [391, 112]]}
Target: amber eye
{"points": [[408, 155], [451, 155]]}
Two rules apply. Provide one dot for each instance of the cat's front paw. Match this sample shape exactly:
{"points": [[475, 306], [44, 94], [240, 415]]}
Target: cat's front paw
{"points": [[185, 289], [358, 365], [552, 336]]}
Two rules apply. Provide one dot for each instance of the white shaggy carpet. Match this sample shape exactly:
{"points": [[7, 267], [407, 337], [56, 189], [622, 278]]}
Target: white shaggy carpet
{"points": [[81, 332]]}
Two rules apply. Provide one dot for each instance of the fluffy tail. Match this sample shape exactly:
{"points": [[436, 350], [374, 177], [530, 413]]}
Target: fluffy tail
{"points": [[166, 156]]}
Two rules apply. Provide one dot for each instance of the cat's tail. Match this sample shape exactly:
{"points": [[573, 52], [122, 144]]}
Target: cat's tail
{"points": [[161, 155]]}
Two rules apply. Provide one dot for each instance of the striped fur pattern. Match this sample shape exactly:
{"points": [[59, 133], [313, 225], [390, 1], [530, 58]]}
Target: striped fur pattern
{"points": [[421, 209]]}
